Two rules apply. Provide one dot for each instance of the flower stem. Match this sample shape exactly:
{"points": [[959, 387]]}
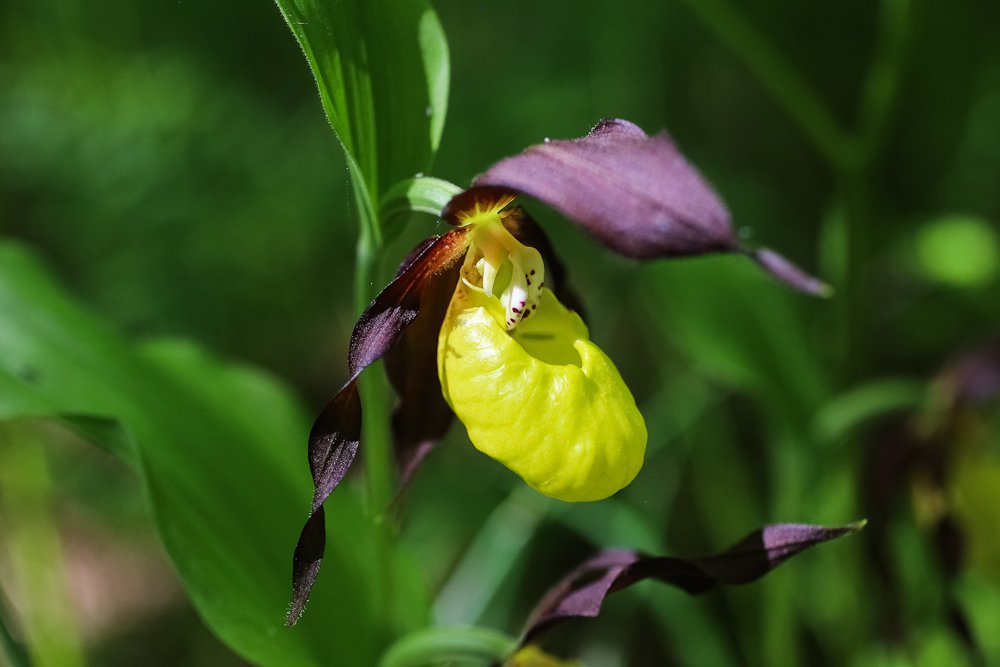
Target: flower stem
{"points": [[34, 549], [374, 391], [878, 96], [11, 651]]}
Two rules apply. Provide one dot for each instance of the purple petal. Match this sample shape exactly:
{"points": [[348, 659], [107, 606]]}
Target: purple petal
{"points": [[635, 193], [333, 441], [422, 417], [788, 273], [765, 549], [306, 563], [582, 593], [399, 303], [336, 434]]}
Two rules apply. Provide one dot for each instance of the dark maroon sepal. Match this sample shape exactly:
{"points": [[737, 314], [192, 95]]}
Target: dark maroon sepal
{"points": [[635, 193], [336, 434], [582, 593], [422, 417], [306, 563], [788, 273]]}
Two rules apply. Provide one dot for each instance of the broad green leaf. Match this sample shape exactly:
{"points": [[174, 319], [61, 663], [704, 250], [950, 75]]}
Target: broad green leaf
{"points": [[382, 71], [220, 450]]}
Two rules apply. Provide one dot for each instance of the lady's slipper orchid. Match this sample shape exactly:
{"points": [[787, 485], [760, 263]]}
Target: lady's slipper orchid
{"points": [[476, 323], [519, 370]]}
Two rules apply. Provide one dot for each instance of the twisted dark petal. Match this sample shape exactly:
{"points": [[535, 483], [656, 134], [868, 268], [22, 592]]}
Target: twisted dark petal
{"points": [[422, 416], [581, 594], [336, 434], [765, 549], [635, 193], [415, 254], [333, 441], [306, 563]]}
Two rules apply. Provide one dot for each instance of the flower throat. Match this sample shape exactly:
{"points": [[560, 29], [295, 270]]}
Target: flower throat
{"points": [[501, 266]]}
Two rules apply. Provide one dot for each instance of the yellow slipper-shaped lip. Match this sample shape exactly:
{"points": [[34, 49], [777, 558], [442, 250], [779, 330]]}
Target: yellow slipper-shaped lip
{"points": [[543, 400]]}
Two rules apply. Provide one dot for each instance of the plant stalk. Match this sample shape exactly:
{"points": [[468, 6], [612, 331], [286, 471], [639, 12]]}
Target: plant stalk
{"points": [[373, 388], [12, 653], [34, 549], [878, 97]]}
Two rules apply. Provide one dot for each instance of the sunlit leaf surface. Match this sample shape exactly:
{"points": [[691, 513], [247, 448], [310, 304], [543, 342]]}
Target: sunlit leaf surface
{"points": [[382, 71]]}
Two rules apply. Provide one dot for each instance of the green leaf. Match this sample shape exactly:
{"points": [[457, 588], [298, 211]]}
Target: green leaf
{"points": [[845, 413], [434, 646], [742, 328], [490, 558], [220, 450], [420, 194], [382, 71]]}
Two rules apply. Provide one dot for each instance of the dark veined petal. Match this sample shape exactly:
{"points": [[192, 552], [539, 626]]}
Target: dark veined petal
{"points": [[581, 594], [336, 434], [635, 193]]}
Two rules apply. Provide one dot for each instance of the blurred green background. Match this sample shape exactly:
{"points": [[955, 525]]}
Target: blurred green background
{"points": [[171, 162]]}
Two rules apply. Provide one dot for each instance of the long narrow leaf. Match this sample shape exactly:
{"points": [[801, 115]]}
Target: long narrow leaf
{"points": [[382, 71]]}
